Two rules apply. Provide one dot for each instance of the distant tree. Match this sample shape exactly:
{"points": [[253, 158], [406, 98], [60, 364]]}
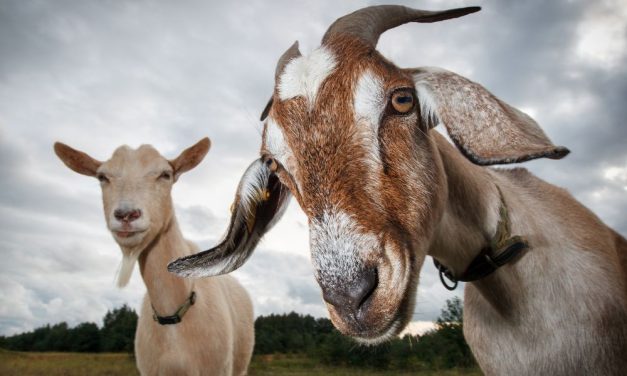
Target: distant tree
{"points": [[453, 314], [85, 338], [286, 333], [450, 332], [118, 331]]}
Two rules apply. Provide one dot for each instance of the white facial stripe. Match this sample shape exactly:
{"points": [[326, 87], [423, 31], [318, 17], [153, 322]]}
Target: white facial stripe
{"points": [[280, 150], [369, 99], [336, 243], [275, 142], [304, 75], [369, 103]]}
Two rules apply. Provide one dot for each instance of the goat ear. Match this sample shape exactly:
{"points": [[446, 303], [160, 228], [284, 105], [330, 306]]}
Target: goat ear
{"points": [[484, 128], [190, 157], [76, 160], [259, 203]]}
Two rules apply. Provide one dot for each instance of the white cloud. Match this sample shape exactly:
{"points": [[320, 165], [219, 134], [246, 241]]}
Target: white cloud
{"points": [[602, 35], [98, 75]]}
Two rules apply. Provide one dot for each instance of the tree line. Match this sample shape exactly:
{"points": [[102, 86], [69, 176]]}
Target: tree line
{"points": [[116, 335], [291, 333]]}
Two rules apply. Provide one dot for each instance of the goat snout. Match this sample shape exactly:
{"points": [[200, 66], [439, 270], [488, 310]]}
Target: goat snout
{"points": [[352, 296], [127, 215]]}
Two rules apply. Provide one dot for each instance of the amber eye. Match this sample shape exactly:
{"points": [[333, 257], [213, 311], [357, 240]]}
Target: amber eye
{"points": [[403, 101], [102, 178]]}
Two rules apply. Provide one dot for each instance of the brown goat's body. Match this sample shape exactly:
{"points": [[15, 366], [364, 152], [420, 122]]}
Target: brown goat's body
{"points": [[561, 308], [350, 135]]}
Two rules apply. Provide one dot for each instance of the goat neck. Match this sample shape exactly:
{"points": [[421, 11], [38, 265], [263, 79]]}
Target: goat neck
{"points": [[471, 210], [166, 291]]}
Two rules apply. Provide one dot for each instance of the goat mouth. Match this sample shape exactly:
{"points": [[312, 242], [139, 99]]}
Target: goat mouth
{"points": [[127, 234], [372, 339]]}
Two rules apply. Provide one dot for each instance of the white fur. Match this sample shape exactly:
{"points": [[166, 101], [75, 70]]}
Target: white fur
{"points": [[336, 243], [251, 187], [276, 144], [369, 103], [303, 75], [428, 105], [369, 99], [126, 267]]}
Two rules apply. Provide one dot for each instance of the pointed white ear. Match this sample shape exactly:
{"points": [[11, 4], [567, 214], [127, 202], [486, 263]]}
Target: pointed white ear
{"points": [[259, 203], [190, 157], [484, 128]]}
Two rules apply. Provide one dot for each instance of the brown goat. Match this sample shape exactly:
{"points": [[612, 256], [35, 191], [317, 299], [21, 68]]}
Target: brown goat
{"points": [[350, 136]]}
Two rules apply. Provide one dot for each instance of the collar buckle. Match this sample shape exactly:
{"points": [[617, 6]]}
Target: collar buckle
{"points": [[502, 249]]}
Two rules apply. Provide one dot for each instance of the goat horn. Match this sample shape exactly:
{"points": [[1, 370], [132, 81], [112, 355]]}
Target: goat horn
{"points": [[288, 55], [369, 23]]}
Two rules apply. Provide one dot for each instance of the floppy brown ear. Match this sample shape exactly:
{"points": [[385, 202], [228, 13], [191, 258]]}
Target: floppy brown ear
{"points": [[190, 157], [259, 203], [484, 128], [76, 160]]}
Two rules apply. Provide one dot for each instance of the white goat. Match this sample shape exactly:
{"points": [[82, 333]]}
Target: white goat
{"points": [[185, 327], [350, 136]]}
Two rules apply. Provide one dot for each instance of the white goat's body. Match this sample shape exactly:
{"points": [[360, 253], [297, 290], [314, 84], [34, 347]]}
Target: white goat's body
{"points": [[215, 337], [561, 308]]}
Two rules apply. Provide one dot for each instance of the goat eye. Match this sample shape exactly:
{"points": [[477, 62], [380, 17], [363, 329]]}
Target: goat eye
{"points": [[403, 101], [272, 164], [102, 178], [165, 175]]}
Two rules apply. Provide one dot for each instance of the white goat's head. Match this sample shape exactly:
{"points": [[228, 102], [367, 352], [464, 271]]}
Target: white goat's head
{"points": [[136, 187], [350, 136]]}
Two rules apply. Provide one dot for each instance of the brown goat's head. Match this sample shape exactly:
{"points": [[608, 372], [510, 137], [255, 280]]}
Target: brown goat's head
{"points": [[348, 134]]}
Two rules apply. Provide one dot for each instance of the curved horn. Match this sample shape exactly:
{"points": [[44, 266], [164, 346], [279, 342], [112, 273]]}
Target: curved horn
{"points": [[288, 55], [369, 23]]}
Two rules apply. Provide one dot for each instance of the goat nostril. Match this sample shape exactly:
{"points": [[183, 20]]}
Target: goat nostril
{"points": [[134, 214], [355, 294], [127, 215], [119, 214], [364, 288]]}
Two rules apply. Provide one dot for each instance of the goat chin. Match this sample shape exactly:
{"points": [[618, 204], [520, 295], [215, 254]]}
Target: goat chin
{"points": [[126, 268]]}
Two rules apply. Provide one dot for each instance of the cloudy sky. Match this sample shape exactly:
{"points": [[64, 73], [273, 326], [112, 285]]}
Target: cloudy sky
{"points": [[98, 74]]}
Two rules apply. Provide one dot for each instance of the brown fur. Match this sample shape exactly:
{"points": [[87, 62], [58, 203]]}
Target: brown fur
{"points": [[427, 199], [569, 283]]}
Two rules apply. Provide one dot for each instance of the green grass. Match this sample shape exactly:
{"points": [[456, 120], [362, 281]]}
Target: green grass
{"points": [[70, 364]]}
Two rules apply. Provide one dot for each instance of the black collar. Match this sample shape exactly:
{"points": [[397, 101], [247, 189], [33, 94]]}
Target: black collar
{"points": [[178, 315], [503, 248]]}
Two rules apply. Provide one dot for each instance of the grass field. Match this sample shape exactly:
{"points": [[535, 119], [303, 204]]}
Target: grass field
{"points": [[71, 364]]}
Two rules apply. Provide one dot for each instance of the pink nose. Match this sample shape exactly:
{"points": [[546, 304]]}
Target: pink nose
{"points": [[128, 216]]}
